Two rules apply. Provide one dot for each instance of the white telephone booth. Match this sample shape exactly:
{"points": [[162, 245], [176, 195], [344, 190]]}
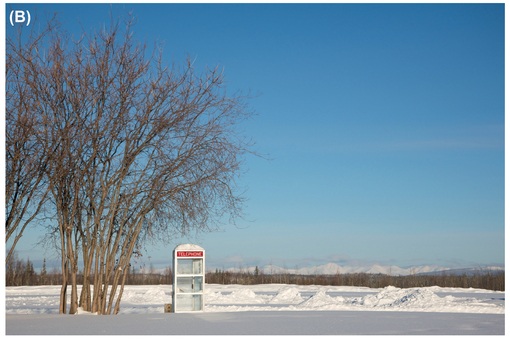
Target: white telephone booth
{"points": [[188, 280]]}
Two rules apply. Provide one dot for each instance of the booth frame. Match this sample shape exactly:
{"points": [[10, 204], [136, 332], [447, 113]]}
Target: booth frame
{"points": [[188, 252]]}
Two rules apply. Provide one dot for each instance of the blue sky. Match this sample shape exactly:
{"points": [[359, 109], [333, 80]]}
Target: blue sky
{"points": [[384, 123]]}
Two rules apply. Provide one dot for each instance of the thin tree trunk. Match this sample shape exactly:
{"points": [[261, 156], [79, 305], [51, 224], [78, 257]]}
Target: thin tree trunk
{"points": [[98, 282], [63, 290], [85, 297], [74, 292], [74, 269], [117, 304], [112, 292]]}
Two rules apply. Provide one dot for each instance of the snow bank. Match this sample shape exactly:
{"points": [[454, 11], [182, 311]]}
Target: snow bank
{"points": [[391, 297], [243, 295], [232, 298], [318, 300], [423, 300], [153, 295], [290, 295]]}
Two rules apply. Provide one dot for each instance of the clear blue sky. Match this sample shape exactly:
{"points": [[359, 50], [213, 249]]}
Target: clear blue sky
{"points": [[385, 124]]}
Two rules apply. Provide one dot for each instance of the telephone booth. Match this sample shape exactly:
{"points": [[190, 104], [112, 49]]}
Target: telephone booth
{"points": [[188, 278]]}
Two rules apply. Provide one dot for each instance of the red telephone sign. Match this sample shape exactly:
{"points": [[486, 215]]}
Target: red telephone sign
{"points": [[190, 254]]}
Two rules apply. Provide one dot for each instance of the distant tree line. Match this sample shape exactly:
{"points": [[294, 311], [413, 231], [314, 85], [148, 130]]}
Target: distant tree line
{"points": [[21, 273], [483, 279]]}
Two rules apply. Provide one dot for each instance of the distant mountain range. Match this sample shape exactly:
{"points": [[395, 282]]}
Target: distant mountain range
{"points": [[332, 268], [467, 271]]}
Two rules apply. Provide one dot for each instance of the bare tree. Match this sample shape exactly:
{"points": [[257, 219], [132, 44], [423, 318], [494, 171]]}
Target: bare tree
{"points": [[140, 150], [26, 189]]}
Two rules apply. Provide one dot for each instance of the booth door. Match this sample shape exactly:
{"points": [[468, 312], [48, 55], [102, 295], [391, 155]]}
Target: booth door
{"points": [[190, 285]]}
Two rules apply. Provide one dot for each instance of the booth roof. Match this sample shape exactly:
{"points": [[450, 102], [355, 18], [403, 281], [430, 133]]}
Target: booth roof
{"points": [[188, 246]]}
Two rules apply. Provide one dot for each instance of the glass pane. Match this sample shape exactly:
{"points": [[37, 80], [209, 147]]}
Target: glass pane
{"points": [[185, 266], [197, 266], [197, 299], [197, 284], [184, 285], [184, 302]]}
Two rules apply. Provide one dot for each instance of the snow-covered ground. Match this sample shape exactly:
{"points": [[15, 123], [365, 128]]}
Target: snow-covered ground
{"points": [[269, 309]]}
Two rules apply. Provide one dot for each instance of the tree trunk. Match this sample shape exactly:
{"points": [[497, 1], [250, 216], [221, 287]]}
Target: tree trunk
{"points": [[74, 269], [97, 284], [117, 304], [74, 293], [63, 290], [85, 297]]}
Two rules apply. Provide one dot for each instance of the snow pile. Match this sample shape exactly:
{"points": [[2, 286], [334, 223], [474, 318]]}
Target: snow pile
{"points": [[423, 299], [290, 295], [213, 297], [401, 298], [152, 296], [245, 295], [318, 300]]}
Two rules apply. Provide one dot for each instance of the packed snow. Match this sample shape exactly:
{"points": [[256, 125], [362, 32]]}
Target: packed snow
{"points": [[286, 301]]}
